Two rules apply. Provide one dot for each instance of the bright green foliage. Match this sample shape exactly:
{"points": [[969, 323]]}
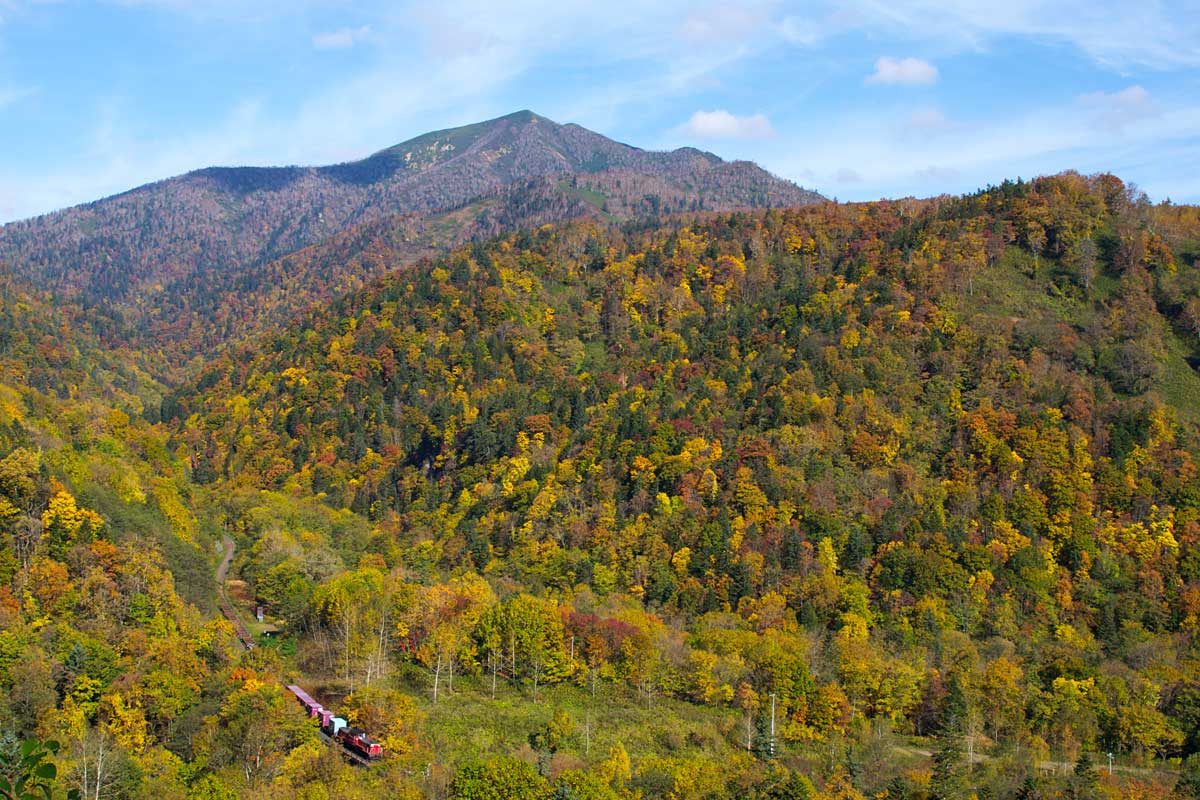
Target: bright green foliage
{"points": [[499, 779], [34, 776], [582, 786], [1189, 777]]}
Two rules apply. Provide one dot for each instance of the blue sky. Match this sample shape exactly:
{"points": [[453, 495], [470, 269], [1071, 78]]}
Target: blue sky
{"points": [[859, 99]]}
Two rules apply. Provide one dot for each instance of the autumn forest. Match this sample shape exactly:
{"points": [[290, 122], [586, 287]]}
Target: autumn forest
{"points": [[616, 498]]}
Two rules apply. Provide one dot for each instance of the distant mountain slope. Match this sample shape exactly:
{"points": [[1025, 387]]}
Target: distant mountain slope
{"points": [[162, 255]]}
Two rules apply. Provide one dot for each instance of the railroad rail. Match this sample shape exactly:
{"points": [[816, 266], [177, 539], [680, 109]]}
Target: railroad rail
{"points": [[247, 641], [227, 611], [350, 755]]}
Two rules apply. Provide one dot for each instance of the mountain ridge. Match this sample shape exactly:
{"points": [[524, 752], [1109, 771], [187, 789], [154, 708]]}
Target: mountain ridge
{"points": [[172, 244]]}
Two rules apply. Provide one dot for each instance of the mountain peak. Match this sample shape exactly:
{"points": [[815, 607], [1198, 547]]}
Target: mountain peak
{"points": [[435, 147], [142, 251], [525, 115]]}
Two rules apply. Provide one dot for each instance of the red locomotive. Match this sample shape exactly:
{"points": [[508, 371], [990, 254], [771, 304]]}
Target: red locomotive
{"points": [[354, 740], [357, 740]]}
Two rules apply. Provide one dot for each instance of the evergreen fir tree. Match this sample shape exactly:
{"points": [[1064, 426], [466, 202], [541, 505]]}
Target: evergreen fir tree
{"points": [[1029, 789], [1084, 779], [897, 789], [949, 781], [761, 746]]}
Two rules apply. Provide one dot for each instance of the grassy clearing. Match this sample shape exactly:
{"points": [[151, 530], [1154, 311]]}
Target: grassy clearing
{"points": [[469, 725], [590, 196], [1007, 290], [1178, 382]]}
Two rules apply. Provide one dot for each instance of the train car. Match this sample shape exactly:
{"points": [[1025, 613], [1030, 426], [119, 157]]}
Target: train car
{"points": [[312, 707], [333, 726], [357, 740]]}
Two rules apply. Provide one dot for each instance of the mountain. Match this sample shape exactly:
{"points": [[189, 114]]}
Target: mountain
{"points": [[763, 504], [164, 258], [438, 366], [906, 468]]}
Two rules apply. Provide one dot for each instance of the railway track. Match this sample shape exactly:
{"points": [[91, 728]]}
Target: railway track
{"points": [[350, 755], [247, 642], [227, 611]]}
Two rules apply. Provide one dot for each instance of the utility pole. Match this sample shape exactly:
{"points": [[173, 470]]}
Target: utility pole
{"points": [[772, 724]]}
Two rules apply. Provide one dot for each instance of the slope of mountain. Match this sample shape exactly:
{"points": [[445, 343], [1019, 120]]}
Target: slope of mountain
{"points": [[554, 321], [756, 505], [923, 467], [75, 417], [163, 254]]}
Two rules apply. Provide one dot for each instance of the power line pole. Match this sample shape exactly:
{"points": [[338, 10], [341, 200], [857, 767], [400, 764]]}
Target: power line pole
{"points": [[772, 724]]}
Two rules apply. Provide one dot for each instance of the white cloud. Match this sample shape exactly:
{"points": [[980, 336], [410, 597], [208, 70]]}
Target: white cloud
{"points": [[928, 120], [905, 72], [1041, 140], [1160, 34], [847, 175], [936, 173], [10, 95], [720, 124], [798, 32], [340, 39], [1117, 110]]}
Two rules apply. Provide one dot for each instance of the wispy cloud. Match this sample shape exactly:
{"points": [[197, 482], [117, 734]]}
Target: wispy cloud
{"points": [[341, 39], [928, 120], [720, 22], [798, 31], [1041, 140], [1117, 110], [115, 158], [904, 71], [1158, 34], [936, 173], [721, 124], [11, 95]]}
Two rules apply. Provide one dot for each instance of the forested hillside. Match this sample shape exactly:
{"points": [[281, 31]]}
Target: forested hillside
{"points": [[921, 467], [105, 595], [162, 260], [894, 500]]}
